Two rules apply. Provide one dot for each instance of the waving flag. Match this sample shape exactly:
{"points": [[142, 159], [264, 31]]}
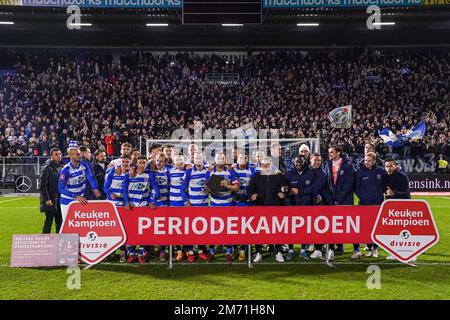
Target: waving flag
{"points": [[389, 138], [341, 117], [418, 131]]}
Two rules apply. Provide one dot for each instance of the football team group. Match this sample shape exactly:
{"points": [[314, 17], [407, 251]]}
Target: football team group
{"points": [[167, 178]]}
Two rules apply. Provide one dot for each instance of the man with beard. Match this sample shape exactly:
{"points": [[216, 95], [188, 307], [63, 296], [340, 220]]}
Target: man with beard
{"points": [[305, 152], [267, 188], [99, 170]]}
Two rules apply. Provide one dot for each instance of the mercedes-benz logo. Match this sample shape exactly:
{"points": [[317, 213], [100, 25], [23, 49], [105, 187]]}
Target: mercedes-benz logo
{"points": [[23, 184]]}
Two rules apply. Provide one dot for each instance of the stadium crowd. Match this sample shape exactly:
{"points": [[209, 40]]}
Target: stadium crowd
{"points": [[51, 98]]}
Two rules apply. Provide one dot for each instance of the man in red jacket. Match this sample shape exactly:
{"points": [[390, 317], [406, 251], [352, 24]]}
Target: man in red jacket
{"points": [[109, 140]]}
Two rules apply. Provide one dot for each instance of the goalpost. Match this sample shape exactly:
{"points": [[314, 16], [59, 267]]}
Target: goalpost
{"points": [[289, 147]]}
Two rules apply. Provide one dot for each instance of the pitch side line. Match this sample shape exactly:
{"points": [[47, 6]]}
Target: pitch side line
{"points": [[257, 264], [10, 200]]}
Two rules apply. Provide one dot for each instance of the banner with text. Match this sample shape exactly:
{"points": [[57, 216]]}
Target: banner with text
{"points": [[174, 4], [429, 182], [248, 225]]}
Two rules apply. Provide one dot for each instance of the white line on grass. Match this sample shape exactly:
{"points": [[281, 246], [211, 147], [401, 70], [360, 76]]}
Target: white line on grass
{"points": [[9, 200], [35, 207], [262, 264]]}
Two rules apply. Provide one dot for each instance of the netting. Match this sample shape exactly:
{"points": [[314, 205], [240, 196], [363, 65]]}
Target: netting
{"points": [[288, 148]]}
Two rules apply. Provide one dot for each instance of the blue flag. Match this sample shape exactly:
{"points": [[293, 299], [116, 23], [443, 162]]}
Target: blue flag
{"points": [[418, 131], [394, 140], [389, 138]]}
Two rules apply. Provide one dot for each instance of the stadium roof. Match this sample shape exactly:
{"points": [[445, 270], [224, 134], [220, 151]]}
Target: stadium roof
{"points": [[44, 26]]}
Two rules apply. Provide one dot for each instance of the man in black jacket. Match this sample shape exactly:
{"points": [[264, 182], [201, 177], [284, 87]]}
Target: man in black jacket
{"points": [[49, 195], [396, 182], [99, 170], [268, 188]]}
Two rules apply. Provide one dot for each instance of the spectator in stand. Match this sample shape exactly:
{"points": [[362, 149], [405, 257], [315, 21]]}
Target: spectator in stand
{"points": [[109, 141], [442, 165]]}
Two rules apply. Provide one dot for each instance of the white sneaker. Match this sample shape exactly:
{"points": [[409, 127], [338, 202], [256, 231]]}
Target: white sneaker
{"points": [[316, 254], [258, 258], [375, 253], [330, 255], [369, 253], [311, 248], [279, 257], [356, 255]]}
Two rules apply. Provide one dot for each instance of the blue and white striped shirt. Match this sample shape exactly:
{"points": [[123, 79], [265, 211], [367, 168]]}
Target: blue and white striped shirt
{"points": [[72, 181], [195, 180], [114, 185], [225, 199], [136, 190], [176, 177], [244, 176], [163, 181]]}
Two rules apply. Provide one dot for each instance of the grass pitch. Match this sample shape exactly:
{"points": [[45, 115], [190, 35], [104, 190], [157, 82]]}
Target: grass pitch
{"points": [[298, 279]]}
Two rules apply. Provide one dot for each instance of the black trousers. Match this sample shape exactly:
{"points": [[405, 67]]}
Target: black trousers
{"points": [[49, 217]]}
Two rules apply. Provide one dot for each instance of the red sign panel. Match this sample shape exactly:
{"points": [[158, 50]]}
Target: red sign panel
{"points": [[99, 226], [405, 228], [249, 225]]}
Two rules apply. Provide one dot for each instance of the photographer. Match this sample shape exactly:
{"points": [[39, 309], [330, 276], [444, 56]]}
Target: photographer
{"points": [[49, 195]]}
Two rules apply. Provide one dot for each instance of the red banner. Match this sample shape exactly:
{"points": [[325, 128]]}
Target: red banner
{"points": [[249, 225]]}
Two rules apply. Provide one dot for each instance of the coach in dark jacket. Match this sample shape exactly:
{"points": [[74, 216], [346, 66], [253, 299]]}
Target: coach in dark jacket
{"points": [[49, 195], [340, 177], [340, 180], [301, 180], [369, 187], [99, 170], [369, 182], [396, 182]]}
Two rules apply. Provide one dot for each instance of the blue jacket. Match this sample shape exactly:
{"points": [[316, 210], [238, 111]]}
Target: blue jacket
{"points": [[319, 187], [369, 185], [304, 181], [342, 192]]}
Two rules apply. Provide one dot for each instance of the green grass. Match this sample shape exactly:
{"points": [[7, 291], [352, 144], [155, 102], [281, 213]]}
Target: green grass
{"points": [[430, 280]]}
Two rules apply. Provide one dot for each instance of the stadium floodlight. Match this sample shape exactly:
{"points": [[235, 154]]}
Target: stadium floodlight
{"points": [[310, 24], [232, 25], [384, 23], [7, 22], [80, 24], [157, 24]]}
